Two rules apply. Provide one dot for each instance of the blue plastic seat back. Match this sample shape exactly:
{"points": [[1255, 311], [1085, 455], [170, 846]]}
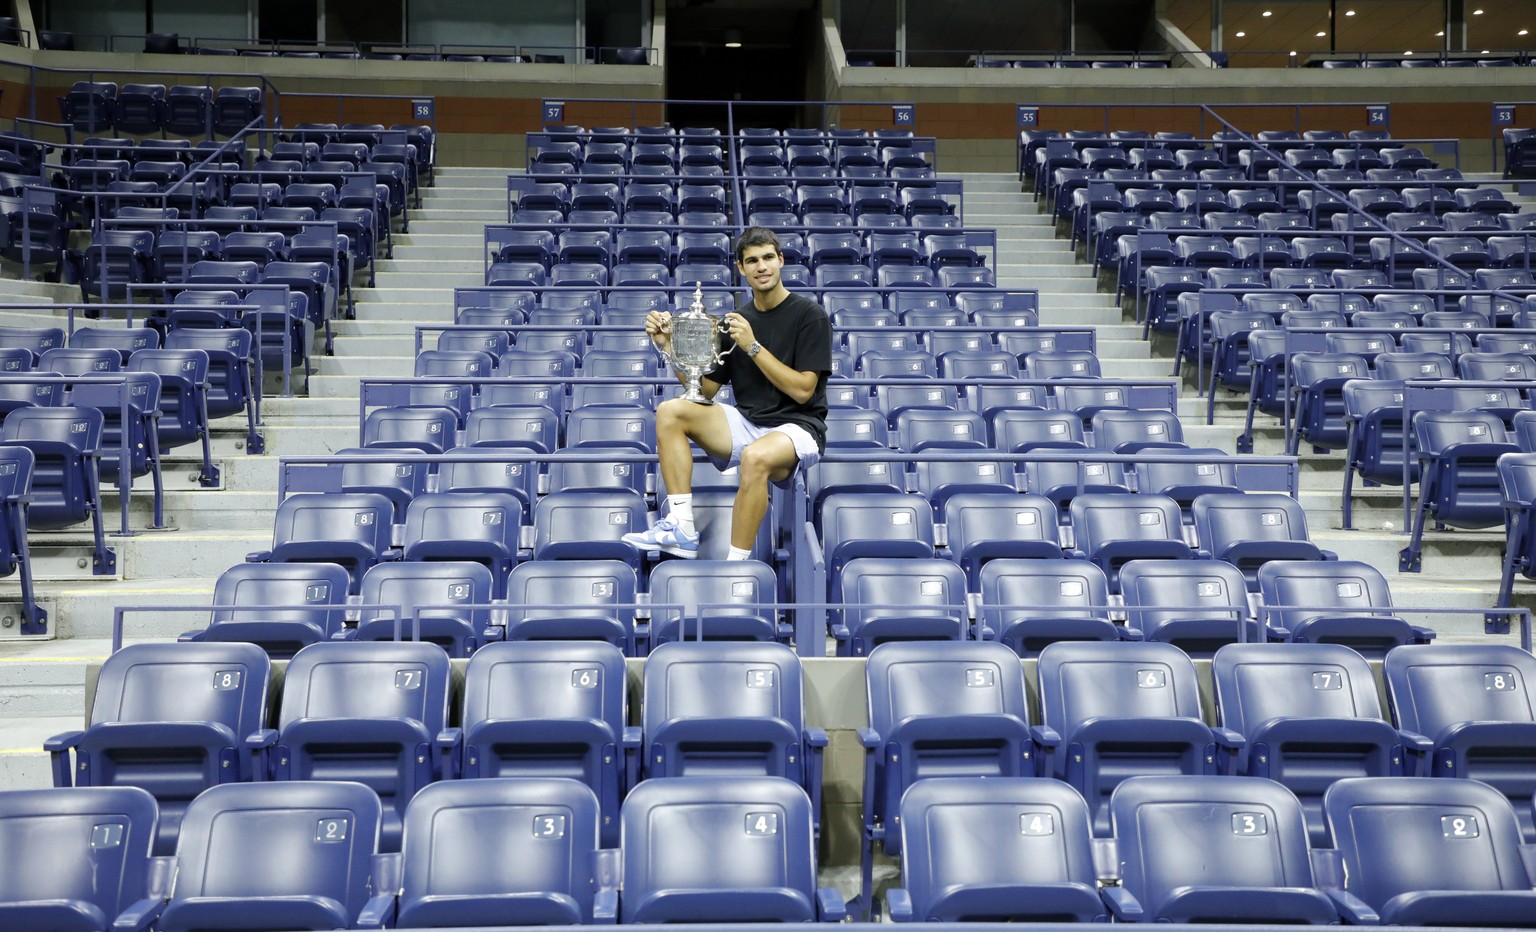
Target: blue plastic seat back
{"points": [[1216, 849], [727, 849], [732, 600], [874, 524], [587, 525], [1477, 704], [1252, 529], [572, 600], [549, 709], [896, 599], [142, 391], [320, 837], [1130, 431], [1020, 431], [1196, 471], [1311, 715], [449, 363], [98, 843], [1340, 602], [943, 708], [398, 474], [535, 427], [1029, 603], [369, 712], [434, 591], [1196, 605], [64, 484], [919, 429], [545, 832], [997, 850], [1430, 852], [229, 381], [352, 529], [723, 710], [1460, 451], [983, 525], [429, 428], [80, 361], [282, 606], [1120, 709], [172, 718], [462, 525], [1111, 529], [611, 426]]}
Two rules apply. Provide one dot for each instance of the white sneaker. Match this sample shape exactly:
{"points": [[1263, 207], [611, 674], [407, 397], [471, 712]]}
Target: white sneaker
{"points": [[667, 537]]}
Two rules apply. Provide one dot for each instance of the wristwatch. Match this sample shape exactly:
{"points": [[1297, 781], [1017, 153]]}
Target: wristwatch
{"points": [[755, 348]]}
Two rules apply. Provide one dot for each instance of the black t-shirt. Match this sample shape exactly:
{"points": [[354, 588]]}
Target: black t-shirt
{"points": [[798, 333]]}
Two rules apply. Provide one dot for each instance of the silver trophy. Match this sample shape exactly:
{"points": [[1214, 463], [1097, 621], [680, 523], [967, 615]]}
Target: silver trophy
{"points": [[695, 345]]}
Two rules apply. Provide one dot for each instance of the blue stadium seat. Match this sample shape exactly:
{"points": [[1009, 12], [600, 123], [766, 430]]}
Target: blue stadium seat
{"points": [[16, 466], [437, 594], [1029, 603], [983, 525], [428, 428], [727, 849], [66, 488], [573, 600], [321, 839], [1195, 605], [544, 709], [1111, 529], [1214, 849], [1252, 529], [1467, 710], [998, 850], [171, 719], [893, 599], [1458, 474], [482, 527], [352, 529], [98, 871], [942, 709], [716, 710], [729, 601], [1113, 711], [548, 875], [1342, 602], [374, 713], [280, 607], [1429, 852], [1306, 716]]}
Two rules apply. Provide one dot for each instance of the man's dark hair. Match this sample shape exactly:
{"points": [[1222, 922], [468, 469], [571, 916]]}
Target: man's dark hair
{"points": [[757, 236]]}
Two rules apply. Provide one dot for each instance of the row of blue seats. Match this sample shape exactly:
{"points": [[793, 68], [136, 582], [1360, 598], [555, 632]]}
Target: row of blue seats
{"points": [[875, 246], [1152, 701], [325, 869], [952, 278], [970, 304]]}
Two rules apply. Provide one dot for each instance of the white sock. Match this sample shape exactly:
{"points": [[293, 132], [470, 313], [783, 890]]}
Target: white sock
{"points": [[739, 554], [680, 507]]}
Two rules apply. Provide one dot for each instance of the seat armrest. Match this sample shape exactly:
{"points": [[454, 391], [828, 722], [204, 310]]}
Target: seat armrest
{"points": [[63, 741], [869, 738], [816, 737], [258, 556], [139, 916], [1045, 737], [258, 744], [605, 907], [1122, 905], [1528, 855], [1131, 634], [265, 738], [898, 905], [1421, 634], [830, 906], [60, 759], [1352, 909], [1416, 743], [377, 913], [607, 875], [1229, 739]]}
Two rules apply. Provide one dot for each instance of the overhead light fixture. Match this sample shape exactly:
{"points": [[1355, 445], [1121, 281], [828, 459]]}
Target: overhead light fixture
{"points": [[1321, 34], [1487, 52], [1523, 32], [1269, 13], [1240, 33], [1409, 52], [1440, 34], [733, 38], [1477, 12], [1293, 53], [1349, 12]]}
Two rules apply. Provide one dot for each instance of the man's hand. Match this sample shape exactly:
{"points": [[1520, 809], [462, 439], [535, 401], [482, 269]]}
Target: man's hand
{"points": [[740, 330], [658, 325]]}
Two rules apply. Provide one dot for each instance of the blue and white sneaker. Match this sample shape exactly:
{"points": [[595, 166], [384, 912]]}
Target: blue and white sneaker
{"points": [[667, 537]]}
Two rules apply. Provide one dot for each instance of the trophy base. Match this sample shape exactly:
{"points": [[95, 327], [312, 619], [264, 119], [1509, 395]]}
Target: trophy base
{"points": [[697, 398]]}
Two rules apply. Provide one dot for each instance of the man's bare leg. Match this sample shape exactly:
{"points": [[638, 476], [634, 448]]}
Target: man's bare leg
{"points": [[770, 458]]}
